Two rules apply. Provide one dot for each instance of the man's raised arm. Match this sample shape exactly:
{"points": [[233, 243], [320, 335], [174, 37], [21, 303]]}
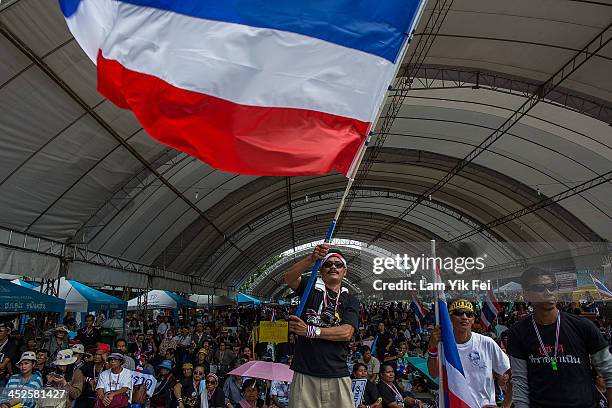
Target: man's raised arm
{"points": [[294, 275]]}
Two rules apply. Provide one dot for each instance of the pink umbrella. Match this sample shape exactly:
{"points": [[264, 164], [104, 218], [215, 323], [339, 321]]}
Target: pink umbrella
{"points": [[264, 370]]}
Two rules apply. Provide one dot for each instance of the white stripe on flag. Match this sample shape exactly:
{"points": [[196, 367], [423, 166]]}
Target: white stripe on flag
{"points": [[247, 65]]}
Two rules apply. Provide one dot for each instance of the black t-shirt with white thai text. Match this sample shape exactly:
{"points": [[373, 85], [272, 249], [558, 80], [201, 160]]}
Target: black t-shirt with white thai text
{"points": [[572, 385], [324, 358]]}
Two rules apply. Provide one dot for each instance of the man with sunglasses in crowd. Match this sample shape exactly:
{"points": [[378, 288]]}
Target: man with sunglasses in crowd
{"points": [[482, 359], [331, 316], [552, 353]]}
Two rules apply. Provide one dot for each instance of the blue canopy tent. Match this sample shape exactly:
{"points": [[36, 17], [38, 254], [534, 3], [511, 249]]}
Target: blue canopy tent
{"points": [[421, 364], [19, 299], [242, 298], [81, 298]]}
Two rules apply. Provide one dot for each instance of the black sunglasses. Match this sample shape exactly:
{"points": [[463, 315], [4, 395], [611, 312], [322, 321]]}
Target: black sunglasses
{"points": [[337, 264], [541, 288], [460, 313]]}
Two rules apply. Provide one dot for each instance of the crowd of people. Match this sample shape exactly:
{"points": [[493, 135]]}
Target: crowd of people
{"points": [[192, 356]]}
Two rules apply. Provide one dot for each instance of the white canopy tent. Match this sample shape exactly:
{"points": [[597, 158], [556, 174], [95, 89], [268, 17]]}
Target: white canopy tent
{"points": [[510, 287], [159, 299], [82, 298]]}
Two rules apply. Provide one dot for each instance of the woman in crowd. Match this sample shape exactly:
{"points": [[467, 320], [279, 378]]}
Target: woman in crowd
{"points": [[247, 354], [188, 392], [216, 398], [26, 380], [169, 342], [370, 395], [66, 376], [150, 343], [250, 394], [202, 360], [392, 393], [232, 387], [163, 394]]}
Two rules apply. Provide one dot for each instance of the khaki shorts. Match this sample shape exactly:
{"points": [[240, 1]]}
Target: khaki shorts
{"points": [[315, 392]]}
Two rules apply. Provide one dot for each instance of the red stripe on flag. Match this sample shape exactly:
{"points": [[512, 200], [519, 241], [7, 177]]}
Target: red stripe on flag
{"points": [[451, 399], [455, 402], [232, 137]]}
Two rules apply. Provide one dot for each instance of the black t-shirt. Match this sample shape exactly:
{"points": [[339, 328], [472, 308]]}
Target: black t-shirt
{"points": [[324, 358], [191, 396], [89, 338], [572, 385], [9, 350], [370, 394], [217, 399], [390, 395], [382, 341]]}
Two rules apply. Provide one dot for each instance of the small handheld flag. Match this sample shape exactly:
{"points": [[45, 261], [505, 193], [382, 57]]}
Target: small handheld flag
{"points": [[601, 288], [489, 309]]}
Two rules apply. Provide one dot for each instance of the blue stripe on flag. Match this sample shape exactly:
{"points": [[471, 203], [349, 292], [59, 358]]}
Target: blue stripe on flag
{"points": [[373, 26], [451, 355], [69, 7]]}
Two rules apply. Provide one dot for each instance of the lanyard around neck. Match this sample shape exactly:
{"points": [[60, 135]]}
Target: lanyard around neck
{"points": [[395, 390], [553, 361]]}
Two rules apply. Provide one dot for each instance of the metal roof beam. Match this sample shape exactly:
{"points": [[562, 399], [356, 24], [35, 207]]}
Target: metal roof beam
{"points": [[570, 192], [589, 50], [20, 45]]}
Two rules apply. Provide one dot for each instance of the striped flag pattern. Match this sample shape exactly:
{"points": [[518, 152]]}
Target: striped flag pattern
{"points": [[601, 288], [259, 87], [456, 392], [489, 309], [417, 308]]}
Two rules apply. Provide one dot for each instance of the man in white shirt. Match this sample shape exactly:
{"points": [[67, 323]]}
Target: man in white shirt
{"points": [[115, 382], [482, 359]]}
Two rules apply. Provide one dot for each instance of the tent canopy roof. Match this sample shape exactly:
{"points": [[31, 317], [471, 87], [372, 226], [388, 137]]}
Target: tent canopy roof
{"points": [[244, 298], [96, 300], [19, 299], [83, 172]]}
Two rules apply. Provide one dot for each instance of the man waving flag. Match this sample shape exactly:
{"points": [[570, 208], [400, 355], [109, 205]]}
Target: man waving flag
{"points": [[255, 87]]}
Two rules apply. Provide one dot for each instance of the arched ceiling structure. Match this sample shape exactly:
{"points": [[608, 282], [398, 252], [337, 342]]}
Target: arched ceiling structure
{"points": [[81, 177]]}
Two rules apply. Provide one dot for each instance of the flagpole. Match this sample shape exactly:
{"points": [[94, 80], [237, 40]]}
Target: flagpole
{"points": [[436, 280], [359, 158]]}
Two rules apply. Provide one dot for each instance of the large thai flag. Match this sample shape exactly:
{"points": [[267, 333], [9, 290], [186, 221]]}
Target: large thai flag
{"points": [[277, 87], [489, 309], [456, 392]]}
